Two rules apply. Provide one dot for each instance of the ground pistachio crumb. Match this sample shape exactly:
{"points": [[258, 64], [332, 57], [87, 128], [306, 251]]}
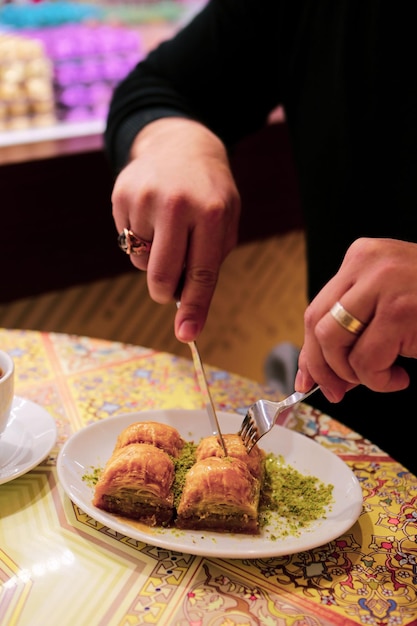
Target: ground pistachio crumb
{"points": [[92, 477], [299, 498], [182, 464]]}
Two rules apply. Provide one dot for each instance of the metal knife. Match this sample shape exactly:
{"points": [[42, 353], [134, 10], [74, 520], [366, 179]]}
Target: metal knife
{"points": [[202, 381]]}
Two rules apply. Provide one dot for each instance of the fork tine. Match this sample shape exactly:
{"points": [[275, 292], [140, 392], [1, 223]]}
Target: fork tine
{"points": [[245, 424], [246, 438], [251, 440], [261, 416], [248, 432], [250, 445]]}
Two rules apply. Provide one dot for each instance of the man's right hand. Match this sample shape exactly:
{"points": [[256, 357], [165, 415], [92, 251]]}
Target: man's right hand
{"points": [[178, 191]]}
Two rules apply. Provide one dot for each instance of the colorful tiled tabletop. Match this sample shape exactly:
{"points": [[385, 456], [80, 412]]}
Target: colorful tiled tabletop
{"points": [[58, 566]]}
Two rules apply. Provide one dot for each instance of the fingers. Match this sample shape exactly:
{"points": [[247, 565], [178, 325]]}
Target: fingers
{"points": [[210, 239], [337, 333], [314, 367], [377, 286], [179, 193], [191, 276], [367, 359], [338, 359], [125, 197]]}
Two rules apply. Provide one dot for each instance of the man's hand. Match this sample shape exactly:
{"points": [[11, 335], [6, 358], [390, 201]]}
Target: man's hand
{"points": [[178, 191], [377, 284]]}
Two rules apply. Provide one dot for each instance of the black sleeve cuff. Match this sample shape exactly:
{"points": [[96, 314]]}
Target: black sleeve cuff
{"points": [[118, 144]]}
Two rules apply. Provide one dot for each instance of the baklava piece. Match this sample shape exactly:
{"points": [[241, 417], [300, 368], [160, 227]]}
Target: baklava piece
{"points": [[137, 483], [219, 494], [163, 436], [210, 446]]}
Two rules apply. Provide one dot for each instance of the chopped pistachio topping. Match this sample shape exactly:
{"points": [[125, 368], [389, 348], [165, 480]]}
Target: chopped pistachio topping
{"points": [[298, 498], [182, 464], [92, 478]]}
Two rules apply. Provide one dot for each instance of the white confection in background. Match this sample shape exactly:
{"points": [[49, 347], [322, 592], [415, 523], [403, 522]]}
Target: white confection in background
{"points": [[26, 87]]}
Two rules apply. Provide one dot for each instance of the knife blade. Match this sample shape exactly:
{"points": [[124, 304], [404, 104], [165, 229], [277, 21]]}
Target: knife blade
{"points": [[203, 384], [202, 381]]}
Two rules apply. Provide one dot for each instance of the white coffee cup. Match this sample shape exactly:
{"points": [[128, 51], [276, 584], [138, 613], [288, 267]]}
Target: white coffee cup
{"points": [[6, 388]]}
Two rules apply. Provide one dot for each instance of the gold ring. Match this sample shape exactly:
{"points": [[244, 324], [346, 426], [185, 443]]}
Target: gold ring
{"points": [[346, 320], [132, 244]]}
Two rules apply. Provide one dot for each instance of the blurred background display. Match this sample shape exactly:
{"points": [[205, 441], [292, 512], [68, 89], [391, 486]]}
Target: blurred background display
{"points": [[60, 61]]}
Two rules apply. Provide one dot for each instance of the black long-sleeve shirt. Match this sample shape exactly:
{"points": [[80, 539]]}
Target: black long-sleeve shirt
{"points": [[345, 73]]}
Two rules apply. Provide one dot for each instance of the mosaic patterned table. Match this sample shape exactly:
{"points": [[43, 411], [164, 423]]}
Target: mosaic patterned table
{"points": [[59, 566]]}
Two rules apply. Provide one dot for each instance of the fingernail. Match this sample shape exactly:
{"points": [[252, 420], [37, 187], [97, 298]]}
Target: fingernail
{"points": [[299, 378], [187, 331]]}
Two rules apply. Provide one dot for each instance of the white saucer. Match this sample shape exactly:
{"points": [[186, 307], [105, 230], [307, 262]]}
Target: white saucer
{"points": [[29, 437]]}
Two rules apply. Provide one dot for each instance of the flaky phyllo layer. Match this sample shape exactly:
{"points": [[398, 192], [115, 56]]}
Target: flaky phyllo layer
{"points": [[155, 477]]}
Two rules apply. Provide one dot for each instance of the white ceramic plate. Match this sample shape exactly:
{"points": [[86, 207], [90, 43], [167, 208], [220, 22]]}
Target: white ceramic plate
{"points": [[91, 447], [29, 437]]}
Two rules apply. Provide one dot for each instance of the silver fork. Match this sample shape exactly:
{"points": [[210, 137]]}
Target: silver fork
{"points": [[262, 415]]}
